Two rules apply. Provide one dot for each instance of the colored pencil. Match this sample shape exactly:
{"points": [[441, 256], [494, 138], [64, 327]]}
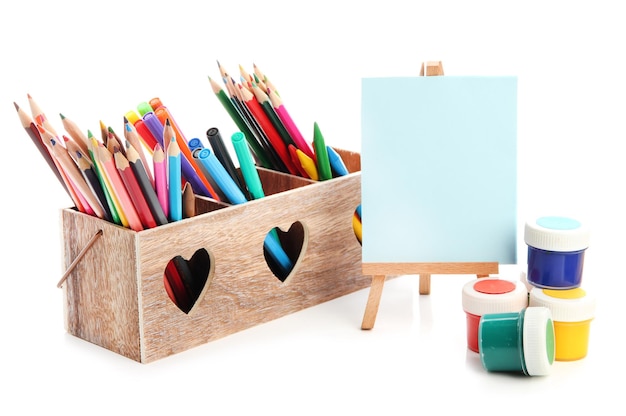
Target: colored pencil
{"points": [[189, 201], [39, 117], [264, 79], [147, 189], [91, 203], [134, 190], [133, 140], [160, 178], [236, 97], [119, 190], [31, 129], [175, 190], [104, 183], [86, 167], [242, 125], [266, 125], [175, 281], [192, 174], [75, 133], [291, 127], [266, 104], [47, 139]]}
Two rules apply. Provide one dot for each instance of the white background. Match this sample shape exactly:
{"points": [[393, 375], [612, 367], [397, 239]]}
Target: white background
{"points": [[95, 61]]}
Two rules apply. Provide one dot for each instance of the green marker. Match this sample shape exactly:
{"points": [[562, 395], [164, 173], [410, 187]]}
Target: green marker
{"points": [[321, 154], [248, 168]]}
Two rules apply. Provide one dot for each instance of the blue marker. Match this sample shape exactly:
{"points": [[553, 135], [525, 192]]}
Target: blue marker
{"points": [[336, 163], [215, 170], [195, 143], [276, 251]]}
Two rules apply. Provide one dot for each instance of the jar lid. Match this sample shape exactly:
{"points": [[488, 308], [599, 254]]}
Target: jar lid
{"points": [[569, 305], [493, 295], [556, 234], [538, 341]]}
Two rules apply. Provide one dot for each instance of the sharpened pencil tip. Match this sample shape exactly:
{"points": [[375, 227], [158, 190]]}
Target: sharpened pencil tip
{"points": [[17, 107], [29, 97], [62, 116]]}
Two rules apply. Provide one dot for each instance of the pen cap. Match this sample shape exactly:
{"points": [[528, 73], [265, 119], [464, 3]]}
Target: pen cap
{"points": [[490, 295], [572, 312], [556, 250]]}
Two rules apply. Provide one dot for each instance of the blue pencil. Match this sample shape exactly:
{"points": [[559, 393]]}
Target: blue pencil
{"points": [[174, 181]]}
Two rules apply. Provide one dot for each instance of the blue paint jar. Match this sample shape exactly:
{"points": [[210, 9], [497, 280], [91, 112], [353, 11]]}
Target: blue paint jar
{"points": [[556, 252]]}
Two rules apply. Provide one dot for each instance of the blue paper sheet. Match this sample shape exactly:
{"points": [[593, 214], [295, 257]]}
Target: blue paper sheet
{"points": [[439, 169]]}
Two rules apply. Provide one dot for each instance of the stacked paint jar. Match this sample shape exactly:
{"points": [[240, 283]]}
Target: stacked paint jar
{"points": [[556, 250], [489, 295], [507, 334]]}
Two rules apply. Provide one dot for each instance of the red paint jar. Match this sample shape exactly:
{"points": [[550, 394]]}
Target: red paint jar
{"points": [[490, 295]]}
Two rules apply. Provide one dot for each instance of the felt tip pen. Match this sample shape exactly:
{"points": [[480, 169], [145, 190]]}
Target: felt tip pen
{"points": [[336, 162], [247, 166], [221, 177], [321, 154]]}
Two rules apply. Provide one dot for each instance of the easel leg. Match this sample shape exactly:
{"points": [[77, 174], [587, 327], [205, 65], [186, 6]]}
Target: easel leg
{"points": [[373, 300], [424, 284]]}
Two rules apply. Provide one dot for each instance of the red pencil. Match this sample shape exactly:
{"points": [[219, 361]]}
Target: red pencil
{"points": [[134, 190], [33, 132], [265, 123]]}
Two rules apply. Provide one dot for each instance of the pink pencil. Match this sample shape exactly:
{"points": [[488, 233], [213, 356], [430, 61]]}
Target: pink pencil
{"points": [[291, 127], [160, 178]]}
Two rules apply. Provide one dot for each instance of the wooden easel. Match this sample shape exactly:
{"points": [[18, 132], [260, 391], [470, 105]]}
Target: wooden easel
{"points": [[379, 271]]}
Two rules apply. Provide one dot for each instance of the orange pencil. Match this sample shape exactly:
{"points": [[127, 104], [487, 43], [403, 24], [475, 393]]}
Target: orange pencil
{"points": [[119, 190], [134, 190]]}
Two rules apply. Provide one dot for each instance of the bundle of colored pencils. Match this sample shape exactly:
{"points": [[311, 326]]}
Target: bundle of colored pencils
{"points": [[257, 109], [110, 177]]}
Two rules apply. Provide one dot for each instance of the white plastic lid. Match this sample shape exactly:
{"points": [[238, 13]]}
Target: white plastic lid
{"points": [[556, 234], [570, 305], [538, 341], [494, 295]]}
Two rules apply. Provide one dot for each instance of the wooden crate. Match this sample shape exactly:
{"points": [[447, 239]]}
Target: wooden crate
{"points": [[115, 295]]}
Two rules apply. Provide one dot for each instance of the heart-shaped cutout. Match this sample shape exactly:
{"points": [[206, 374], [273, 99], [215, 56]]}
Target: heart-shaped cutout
{"points": [[186, 281], [283, 250]]}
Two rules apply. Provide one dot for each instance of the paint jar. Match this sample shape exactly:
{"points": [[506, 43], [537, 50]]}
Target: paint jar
{"points": [[556, 252], [490, 295], [518, 341], [572, 312]]}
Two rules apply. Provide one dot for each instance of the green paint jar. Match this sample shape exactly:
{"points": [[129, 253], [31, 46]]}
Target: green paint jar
{"points": [[517, 341]]}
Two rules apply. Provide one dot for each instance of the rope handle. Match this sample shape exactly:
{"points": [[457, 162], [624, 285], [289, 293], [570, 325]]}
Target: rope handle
{"points": [[79, 257]]}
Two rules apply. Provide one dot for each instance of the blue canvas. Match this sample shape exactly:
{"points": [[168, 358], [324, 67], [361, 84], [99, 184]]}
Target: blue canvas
{"points": [[439, 169]]}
